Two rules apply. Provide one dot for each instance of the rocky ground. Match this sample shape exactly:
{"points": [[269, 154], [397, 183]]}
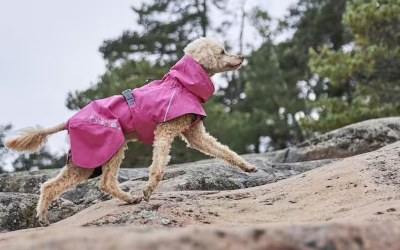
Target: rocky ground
{"points": [[336, 201]]}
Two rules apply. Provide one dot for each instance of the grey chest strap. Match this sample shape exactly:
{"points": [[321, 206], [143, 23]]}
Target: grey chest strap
{"points": [[128, 95]]}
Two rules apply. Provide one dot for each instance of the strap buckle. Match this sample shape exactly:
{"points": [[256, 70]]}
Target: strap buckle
{"points": [[128, 95]]}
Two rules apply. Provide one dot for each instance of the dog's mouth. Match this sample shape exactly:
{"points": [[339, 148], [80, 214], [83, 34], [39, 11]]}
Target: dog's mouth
{"points": [[236, 66]]}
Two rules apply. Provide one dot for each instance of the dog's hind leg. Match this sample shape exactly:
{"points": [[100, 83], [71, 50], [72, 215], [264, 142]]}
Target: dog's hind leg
{"points": [[197, 138], [109, 181], [70, 176]]}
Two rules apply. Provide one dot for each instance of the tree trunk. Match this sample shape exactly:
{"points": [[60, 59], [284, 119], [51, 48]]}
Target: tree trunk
{"points": [[300, 135], [241, 81], [204, 18]]}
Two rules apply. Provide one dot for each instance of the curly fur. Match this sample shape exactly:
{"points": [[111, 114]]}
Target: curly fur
{"points": [[197, 137], [212, 56], [214, 59], [70, 176], [109, 182], [31, 140]]}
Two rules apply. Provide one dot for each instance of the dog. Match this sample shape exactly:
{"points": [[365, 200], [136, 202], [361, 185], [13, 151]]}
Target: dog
{"points": [[154, 114]]}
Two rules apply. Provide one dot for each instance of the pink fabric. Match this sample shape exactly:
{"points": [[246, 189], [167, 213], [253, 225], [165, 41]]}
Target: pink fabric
{"points": [[97, 131]]}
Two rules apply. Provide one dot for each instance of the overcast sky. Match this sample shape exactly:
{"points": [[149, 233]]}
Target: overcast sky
{"points": [[48, 48]]}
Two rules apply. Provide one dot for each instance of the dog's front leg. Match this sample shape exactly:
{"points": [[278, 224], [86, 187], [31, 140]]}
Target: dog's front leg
{"points": [[161, 157], [164, 135], [197, 138]]}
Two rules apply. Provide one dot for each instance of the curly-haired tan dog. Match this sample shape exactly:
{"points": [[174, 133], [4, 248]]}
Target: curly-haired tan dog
{"points": [[213, 59]]}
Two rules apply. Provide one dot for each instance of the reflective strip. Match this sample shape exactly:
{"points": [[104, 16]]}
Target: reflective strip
{"points": [[169, 105]]}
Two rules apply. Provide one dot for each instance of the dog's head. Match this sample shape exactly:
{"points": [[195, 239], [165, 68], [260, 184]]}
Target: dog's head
{"points": [[212, 56]]}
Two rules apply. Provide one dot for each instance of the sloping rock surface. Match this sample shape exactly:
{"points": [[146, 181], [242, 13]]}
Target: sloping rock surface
{"points": [[351, 140], [358, 190], [18, 211], [351, 203], [207, 175], [375, 236]]}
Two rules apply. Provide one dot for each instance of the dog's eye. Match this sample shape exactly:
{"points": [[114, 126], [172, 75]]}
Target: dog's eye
{"points": [[222, 52]]}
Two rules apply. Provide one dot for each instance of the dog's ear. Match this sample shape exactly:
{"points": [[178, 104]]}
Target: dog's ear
{"points": [[207, 59]]}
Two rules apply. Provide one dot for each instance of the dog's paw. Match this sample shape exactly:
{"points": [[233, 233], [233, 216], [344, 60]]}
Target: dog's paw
{"points": [[147, 193], [135, 200], [251, 169], [44, 222]]}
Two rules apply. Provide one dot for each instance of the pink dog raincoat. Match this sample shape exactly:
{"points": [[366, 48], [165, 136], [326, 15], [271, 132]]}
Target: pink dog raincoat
{"points": [[97, 131]]}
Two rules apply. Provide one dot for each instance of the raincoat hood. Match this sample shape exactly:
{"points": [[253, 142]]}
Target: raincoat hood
{"points": [[193, 77]]}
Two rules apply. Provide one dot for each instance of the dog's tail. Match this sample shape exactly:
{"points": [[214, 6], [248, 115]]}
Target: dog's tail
{"points": [[31, 140]]}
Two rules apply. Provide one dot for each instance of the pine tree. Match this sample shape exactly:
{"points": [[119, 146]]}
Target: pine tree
{"points": [[370, 66], [279, 80]]}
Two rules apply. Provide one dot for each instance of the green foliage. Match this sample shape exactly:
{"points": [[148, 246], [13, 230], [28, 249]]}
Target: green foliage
{"points": [[231, 128], [374, 22], [279, 81], [261, 20], [41, 160], [270, 98], [369, 69], [315, 23], [336, 113], [166, 27]]}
